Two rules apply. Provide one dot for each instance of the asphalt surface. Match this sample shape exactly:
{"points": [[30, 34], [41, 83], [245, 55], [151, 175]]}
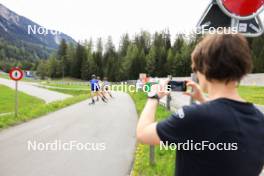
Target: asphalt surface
{"points": [[253, 80], [111, 125], [249, 80], [29, 88], [178, 100]]}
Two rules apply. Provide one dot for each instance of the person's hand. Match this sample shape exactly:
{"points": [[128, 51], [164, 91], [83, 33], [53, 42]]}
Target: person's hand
{"points": [[196, 93], [161, 88]]}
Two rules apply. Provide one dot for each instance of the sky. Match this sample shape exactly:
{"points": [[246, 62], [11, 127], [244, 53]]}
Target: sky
{"points": [[85, 19]]}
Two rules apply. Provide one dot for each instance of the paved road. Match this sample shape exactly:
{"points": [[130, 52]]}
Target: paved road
{"points": [[178, 100], [253, 79], [249, 80], [113, 124], [28, 88]]}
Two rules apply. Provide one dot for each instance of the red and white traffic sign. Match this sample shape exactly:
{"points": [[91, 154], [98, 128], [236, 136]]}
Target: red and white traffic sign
{"points": [[238, 15], [241, 9], [16, 74]]}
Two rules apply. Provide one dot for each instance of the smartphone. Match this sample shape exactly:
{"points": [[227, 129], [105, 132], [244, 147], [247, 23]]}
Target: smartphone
{"points": [[177, 86]]}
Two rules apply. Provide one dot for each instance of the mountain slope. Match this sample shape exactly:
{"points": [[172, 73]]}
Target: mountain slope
{"points": [[14, 30]]}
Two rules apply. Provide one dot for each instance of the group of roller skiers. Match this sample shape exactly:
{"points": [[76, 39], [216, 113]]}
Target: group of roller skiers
{"points": [[99, 89]]}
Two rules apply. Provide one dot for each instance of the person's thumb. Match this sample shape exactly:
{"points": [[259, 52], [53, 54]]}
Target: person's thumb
{"points": [[187, 93]]}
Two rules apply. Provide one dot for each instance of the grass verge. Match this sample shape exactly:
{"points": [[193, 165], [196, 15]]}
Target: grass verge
{"points": [[33, 107], [252, 94], [7, 100], [164, 159], [67, 88], [70, 92], [28, 113]]}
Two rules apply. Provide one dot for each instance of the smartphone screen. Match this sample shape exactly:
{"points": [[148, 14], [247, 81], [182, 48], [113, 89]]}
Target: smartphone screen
{"points": [[177, 86]]}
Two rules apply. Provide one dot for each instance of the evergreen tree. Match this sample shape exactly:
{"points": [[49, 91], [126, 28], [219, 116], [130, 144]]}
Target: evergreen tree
{"points": [[42, 69], [53, 67], [143, 41], [80, 56], [151, 63], [122, 52], [135, 61], [258, 54], [85, 75], [171, 64], [64, 64], [111, 62], [98, 58], [71, 56], [2, 54], [144, 53], [87, 64], [160, 55], [179, 42]]}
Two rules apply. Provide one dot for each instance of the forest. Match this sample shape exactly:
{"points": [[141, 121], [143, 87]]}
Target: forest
{"points": [[154, 54]]}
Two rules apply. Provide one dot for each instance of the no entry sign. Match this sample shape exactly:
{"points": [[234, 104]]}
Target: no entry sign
{"points": [[16, 74], [241, 9]]}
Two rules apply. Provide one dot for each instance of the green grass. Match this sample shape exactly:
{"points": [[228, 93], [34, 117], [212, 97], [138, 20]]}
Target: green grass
{"points": [[70, 85], [33, 107], [6, 76], [68, 88], [7, 100], [252, 94], [164, 159], [71, 92], [66, 79], [28, 113]]}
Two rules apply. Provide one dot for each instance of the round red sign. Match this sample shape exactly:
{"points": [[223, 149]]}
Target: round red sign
{"points": [[16, 74], [241, 9]]}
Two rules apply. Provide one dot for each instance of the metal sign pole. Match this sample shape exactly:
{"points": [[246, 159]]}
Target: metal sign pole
{"points": [[16, 74], [168, 99], [16, 99], [193, 78], [151, 155]]}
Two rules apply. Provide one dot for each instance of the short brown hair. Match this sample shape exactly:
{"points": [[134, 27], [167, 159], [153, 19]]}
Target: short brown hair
{"points": [[222, 57]]}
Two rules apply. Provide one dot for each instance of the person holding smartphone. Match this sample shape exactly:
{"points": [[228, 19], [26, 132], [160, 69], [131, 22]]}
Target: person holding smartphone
{"points": [[220, 61]]}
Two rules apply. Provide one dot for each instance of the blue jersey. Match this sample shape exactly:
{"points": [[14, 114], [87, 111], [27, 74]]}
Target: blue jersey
{"points": [[94, 85]]}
